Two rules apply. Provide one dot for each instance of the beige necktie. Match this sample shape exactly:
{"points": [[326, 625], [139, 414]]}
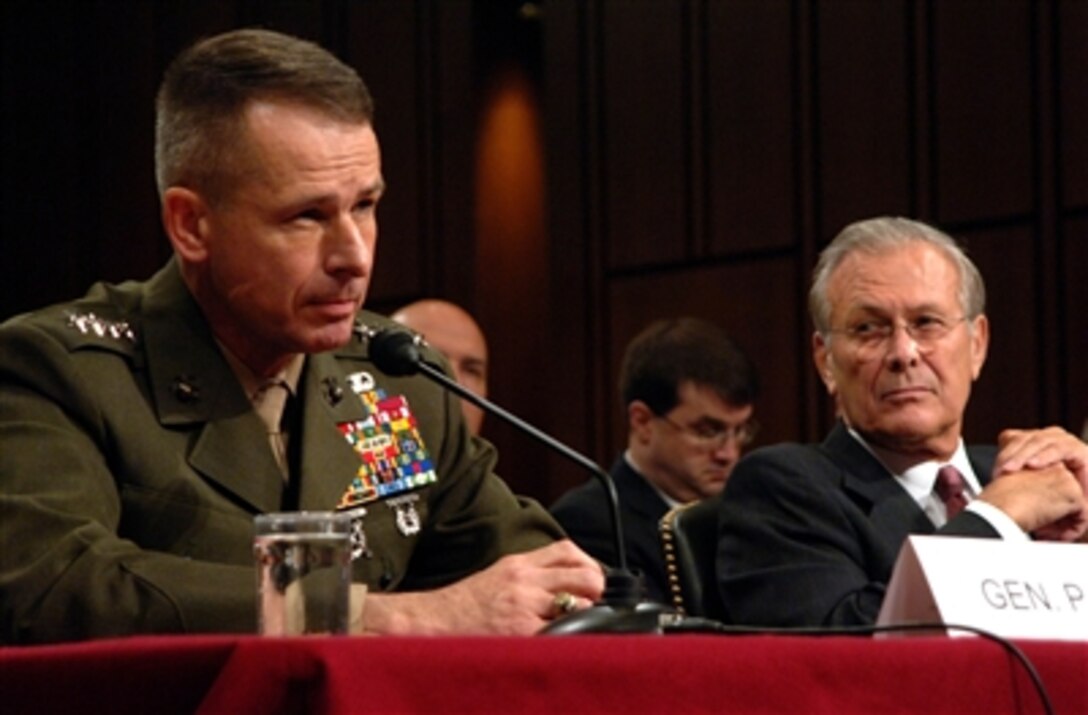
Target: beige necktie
{"points": [[269, 402]]}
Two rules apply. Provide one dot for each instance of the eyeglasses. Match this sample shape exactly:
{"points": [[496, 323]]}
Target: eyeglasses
{"points": [[925, 330], [715, 437]]}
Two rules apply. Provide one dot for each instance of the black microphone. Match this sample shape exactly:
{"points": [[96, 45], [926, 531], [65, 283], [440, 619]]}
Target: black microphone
{"points": [[398, 352]]}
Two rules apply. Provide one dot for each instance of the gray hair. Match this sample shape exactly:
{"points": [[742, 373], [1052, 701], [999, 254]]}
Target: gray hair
{"points": [[879, 235], [200, 107]]}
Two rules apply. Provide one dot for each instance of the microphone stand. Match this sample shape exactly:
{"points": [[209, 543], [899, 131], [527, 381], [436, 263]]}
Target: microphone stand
{"points": [[621, 608]]}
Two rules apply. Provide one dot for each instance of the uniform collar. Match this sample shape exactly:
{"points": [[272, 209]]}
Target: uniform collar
{"points": [[193, 383]]}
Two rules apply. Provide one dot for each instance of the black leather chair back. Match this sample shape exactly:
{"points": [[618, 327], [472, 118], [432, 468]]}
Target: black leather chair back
{"points": [[689, 537]]}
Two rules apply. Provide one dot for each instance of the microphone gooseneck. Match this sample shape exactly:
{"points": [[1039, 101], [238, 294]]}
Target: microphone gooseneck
{"points": [[398, 352]]}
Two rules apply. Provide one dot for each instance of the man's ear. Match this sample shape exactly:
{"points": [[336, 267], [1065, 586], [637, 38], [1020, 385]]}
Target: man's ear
{"points": [[821, 356], [639, 417], [185, 219], [980, 344]]}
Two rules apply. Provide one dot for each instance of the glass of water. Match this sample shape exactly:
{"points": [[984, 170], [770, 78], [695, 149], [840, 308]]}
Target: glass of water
{"points": [[303, 572]]}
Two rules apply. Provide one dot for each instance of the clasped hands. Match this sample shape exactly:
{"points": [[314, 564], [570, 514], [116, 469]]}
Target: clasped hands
{"points": [[1041, 482]]}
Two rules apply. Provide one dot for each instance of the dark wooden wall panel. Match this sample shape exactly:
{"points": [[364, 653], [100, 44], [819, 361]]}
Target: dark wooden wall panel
{"points": [[698, 154], [1074, 288], [312, 20], [643, 131], [1073, 102], [736, 297], [749, 132], [375, 32], [506, 248], [575, 228], [448, 104], [1008, 393], [865, 112], [511, 248], [129, 242], [45, 210], [182, 22], [982, 68]]}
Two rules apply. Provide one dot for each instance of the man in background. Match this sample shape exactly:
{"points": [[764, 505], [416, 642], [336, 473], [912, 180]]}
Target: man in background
{"points": [[810, 533], [688, 392], [450, 330], [144, 426]]}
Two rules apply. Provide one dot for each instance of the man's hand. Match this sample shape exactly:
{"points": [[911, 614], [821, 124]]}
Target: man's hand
{"points": [[514, 596], [1048, 503], [1041, 482], [1035, 449]]}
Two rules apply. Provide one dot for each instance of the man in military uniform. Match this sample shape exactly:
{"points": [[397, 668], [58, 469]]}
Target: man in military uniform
{"points": [[143, 426]]}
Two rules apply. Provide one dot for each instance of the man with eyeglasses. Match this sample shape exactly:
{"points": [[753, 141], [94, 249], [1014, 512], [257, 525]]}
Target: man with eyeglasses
{"points": [[810, 533], [688, 391]]}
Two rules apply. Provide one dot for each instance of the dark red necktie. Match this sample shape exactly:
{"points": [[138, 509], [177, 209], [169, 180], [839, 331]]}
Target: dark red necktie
{"points": [[951, 489]]}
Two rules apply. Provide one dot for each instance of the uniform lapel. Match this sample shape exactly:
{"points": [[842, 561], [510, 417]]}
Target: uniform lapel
{"points": [[195, 389], [234, 453], [329, 463]]}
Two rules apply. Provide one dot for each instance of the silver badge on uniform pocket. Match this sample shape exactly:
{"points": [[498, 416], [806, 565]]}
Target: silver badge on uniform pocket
{"points": [[357, 533], [406, 514]]}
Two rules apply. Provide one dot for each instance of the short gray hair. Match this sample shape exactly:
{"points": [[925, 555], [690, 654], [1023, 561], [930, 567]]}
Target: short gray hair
{"points": [[882, 234], [206, 89]]}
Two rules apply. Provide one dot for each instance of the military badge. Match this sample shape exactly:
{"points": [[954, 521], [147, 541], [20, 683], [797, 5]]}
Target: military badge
{"points": [[406, 515], [361, 382], [393, 458], [357, 534], [90, 324]]}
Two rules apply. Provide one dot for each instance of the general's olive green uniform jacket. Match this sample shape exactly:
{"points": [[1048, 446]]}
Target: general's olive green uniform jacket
{"points": [[132, 464]]}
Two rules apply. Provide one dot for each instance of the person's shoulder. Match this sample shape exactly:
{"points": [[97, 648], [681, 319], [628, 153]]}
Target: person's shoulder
{"points": [[781, 453], [368, 324], [584, 498], [583, 512], [106, 319], [427, 397], [773, 466]]}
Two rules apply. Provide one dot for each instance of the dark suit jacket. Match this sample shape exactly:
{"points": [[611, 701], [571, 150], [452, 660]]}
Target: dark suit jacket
{"points": [[810, 533], [132, 464], [584, 513]]}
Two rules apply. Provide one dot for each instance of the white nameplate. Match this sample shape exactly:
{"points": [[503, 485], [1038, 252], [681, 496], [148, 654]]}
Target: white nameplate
{"points": [[1013, 589]]}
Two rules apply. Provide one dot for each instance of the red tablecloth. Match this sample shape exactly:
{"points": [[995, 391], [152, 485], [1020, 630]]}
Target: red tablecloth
{"points": [[629, 674]]}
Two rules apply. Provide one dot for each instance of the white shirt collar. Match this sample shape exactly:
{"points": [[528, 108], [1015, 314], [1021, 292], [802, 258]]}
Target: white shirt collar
{"points": [[918, 480]]}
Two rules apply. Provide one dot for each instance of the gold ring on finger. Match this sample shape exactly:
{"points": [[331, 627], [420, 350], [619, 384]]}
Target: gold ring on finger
{"points": [[564, 603]]}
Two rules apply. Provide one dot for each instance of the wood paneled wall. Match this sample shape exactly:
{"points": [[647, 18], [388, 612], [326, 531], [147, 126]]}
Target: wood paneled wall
{"points": [[697, 153], [720, 145]]}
